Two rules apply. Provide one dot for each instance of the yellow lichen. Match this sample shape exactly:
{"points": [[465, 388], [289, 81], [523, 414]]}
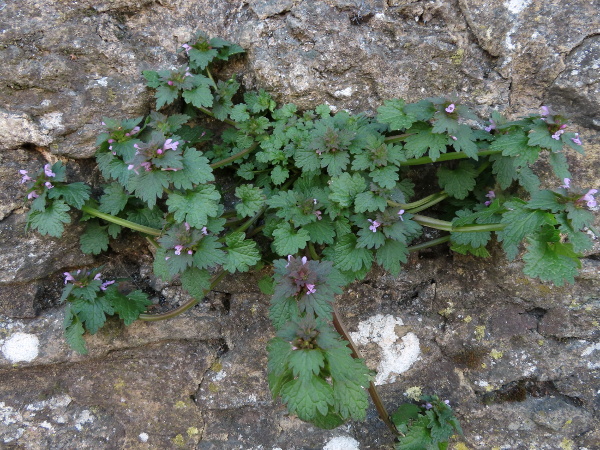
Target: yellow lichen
{"points": [[120, 384], [480, 332], [540, 342], [414, 393], [458, 57], [192, 431], [496, 354], [180, 404], [460, 446], [468, 319], [567, 444], [216, 366], [179, 441], [212, 387]]}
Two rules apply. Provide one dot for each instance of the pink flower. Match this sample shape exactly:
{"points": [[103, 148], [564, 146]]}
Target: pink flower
{"points": [[178, 249], [556, 135], [544, 110], [454, 138], [106, 284], [289, 258], [589, 198], [170, 83], [310, 288], [147, 165], [48, 185], [187, 226], [25, 178], [450, 108], [186, 47], [32, 194], [400, 215], [374, 225], [304, 260], [48, 171], [68, 277], [318, 214], [567, 183], [204, 231], [491, 195], [491, 126], [170, 145], [98, 276], [576, 139]]}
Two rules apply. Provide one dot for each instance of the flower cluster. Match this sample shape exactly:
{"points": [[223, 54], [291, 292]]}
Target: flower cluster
{"points": [[41, 181], [159, 153], [587, 198], [301, 275], [83, 279]]}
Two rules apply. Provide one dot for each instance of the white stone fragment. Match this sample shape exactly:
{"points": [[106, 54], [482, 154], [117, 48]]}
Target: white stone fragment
{"points": [[397, 355], [21, 347], [342, 443], [144, 437]]}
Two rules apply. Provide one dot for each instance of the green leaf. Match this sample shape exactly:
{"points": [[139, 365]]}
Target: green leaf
{"points": [[392, 113], [306, 398], [149, 185], [279, 352], [405, 413], [265, 284], [282, 311], [422, 140], [551, 261], [200, 96], [195, 207], [114, 199], [391, 256], [196, 170], [504, 168], [346, 187], [458, 182], [113, 167], [74, 194], [241, 253], [369, 201], [74, 332], [252, 200], [386, 177], [516, 144], [417, 437], [208, 253], [51, 220], [528, 179], [542, 136], [92, 314], [94, 239], [160, 266], [196, 282], [349, 257], [202, 58], [520, 222], [306, 363], [320, 232], [165, 95], [546, 200], [279, 175], [289, 241], [464, 142], [127, 307], [351, 400]]}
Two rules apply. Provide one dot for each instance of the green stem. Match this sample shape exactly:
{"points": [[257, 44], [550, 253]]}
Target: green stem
{"points": [[398, 137], [428, 244], [241, 154], [122, 222], [446, 157], [208, 112], [418, 203], [187, 305], [383, 414], [313, 252], [444, 225]]}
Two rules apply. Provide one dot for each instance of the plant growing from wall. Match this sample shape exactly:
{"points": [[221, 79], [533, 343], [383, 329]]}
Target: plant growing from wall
{"points": [[319, 196]]}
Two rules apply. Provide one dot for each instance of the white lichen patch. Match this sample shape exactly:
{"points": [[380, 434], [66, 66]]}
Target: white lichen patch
{"points": [[516, 6], [342, 443], [21, 347], [347, 92], [85, 417], [143, 437], [397, 355]]}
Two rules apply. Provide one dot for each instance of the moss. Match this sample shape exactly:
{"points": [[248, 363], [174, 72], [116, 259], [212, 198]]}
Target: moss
{"points": [[496, 354], [458, 57], [192, 431], [216, 366], [470, 358], [480, 332], [212, 387], [179, 441]]}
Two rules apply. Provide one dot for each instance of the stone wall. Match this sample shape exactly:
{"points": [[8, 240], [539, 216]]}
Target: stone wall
{"points": [[518, 359]]}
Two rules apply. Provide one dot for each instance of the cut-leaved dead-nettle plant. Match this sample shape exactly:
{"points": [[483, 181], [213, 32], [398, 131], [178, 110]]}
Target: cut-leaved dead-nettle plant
{"points": [[330, 195]]}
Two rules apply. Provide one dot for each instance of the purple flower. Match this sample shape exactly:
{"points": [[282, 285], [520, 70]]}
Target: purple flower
{"points": [[106, 284], [204, 231], [98, 276], [178, 249], [400, 215], [374, 225], [428, 406], [491, 195], [187, 226], [454, 138], [146, 165], [544, 111], [186, 47], [289, 258], [111, 141], [589, 198], [556, 135], [190, 252], [25, 178], [576, 139], [491, 126], [32, 194], [170, 145], [447, 402], [450, 108], [304, 260], [68, 277], [318, 214], [567, 183], [48, 185], [310, 288], [48, 171], [170, 83]]}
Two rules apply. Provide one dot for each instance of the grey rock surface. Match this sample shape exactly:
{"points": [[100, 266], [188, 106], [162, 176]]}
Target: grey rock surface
{"points": [[518, 359]]}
